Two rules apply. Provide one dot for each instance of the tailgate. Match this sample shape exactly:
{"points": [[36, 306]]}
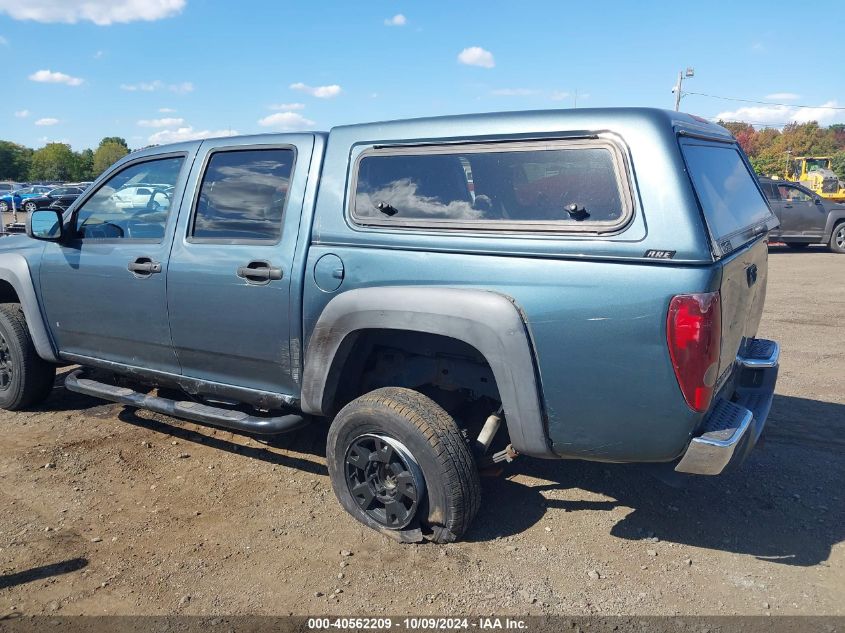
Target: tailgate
{"points": [[743, 291]]}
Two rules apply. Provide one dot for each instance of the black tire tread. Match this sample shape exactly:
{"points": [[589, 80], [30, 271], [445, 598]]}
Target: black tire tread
{"points": [[446, 440], [36, 374], [832, 244]]}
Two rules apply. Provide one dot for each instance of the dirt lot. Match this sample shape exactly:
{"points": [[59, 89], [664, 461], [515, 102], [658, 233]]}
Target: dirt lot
{"points": [[107, 510]]}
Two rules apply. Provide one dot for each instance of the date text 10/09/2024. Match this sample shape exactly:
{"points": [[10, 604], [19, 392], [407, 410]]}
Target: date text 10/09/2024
{"points": [[414, 624]]}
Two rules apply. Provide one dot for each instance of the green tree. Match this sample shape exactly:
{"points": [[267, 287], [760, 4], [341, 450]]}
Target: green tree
{"points": [[54, 161], [107, 154], [85, 165], [117, 140], [14, 161], [838, 164]]}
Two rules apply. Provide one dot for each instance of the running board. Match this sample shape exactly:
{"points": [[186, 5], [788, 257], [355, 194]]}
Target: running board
{"points": [[193, 411]]}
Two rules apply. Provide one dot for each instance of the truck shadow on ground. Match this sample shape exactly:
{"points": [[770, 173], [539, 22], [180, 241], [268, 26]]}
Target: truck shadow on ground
{"points": [[784, 505], [278, 450]]}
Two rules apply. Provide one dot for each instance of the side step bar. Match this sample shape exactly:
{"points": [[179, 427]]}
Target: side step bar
{"points": [[193, 411]]}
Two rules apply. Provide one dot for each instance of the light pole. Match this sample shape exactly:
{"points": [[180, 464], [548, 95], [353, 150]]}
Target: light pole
{"points": [[689, 73]]}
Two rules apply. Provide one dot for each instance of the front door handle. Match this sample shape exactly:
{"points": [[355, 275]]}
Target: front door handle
{"points": [[144, 267], [259, 272]]}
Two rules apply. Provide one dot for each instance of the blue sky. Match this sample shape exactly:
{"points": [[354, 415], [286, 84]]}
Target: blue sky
{"points": [[163, 70]]}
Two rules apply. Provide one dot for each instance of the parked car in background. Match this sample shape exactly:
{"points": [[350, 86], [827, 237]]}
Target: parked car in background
{"points": [[805, 217], [8, 187], [58, 198], [20, 195], [143, 196]]}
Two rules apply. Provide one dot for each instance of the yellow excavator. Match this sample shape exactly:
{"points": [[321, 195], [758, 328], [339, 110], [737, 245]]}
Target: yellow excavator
{"points": [[815, 173]]}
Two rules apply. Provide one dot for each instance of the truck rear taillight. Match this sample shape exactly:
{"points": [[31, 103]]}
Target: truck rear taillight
{"points": [[694, 333]]}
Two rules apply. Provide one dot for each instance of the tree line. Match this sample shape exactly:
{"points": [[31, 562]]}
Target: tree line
{"points": [[57, 161], [769, 150]]}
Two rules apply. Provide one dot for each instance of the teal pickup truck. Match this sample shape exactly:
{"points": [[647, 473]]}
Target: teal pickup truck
{"points": [[445, 293]]}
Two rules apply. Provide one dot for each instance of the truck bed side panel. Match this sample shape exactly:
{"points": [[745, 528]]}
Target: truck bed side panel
{"points": [[599, 334]]}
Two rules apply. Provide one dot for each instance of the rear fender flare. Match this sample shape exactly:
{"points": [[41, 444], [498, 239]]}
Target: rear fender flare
{"points": [[488, 321], [833, 218]]}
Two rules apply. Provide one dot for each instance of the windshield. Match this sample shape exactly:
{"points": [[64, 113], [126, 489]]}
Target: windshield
{"points": [[814, 164], [727, 191]]}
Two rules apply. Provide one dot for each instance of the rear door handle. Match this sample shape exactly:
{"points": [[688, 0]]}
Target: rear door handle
{"points": [[144, 267], [259, 272]]}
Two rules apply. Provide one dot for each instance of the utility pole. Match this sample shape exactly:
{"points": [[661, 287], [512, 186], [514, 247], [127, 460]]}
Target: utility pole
{"points": [[689, 73]]}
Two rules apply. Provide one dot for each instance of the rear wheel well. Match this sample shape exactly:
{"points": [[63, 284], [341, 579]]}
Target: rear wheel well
{"points": [[449, 371]]}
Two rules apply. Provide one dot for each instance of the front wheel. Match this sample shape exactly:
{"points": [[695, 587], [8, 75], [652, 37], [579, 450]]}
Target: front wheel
{"points": [[25, 378], [29, 207], [4, 206], [837, 238], [399, 463]]}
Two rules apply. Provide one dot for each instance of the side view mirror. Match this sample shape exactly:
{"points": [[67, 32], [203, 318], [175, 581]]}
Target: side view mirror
{"points": [[45, 224], [817, 200]]}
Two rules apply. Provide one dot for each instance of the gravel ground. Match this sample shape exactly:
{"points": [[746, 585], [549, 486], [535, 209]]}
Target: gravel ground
{"points": [[113, 511]]}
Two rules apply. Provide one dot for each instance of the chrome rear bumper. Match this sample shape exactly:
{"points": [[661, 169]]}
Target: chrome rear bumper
{"points": [[734, 424]]}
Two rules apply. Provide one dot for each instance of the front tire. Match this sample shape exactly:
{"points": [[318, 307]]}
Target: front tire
{"points": [[4, 206], [29, 207], [837, 238], [25, 378], [398, 462]]}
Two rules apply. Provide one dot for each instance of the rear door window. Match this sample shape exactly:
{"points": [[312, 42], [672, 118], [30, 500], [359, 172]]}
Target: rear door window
{"points": [[243, 195], [726, 189], [559, 186]]}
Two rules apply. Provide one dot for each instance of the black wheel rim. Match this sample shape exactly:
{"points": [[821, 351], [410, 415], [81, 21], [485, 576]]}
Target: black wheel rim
{"points": [[384, 480], [6, 365]]}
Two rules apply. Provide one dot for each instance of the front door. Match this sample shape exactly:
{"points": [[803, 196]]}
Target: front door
{"points": [[104, 288], [800, 215], [229, 278]]}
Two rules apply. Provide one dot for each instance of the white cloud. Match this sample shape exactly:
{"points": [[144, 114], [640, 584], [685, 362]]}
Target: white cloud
{"points": [[186, 133], [50, 77], [165, 122], [514, 92], [476, 56], [151, 86], [286, 122], [181, 89], [322, 92], [782, 114], [166, 110], [99, 54], [559, 95], [22, 114], [46, 121], [102, 12], [154, 86], [782, 96], [3, 41], [286, 106], [396, 20]]}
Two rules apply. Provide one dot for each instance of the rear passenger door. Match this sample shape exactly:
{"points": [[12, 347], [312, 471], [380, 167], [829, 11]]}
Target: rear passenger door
{"points": [[229, 279]]}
